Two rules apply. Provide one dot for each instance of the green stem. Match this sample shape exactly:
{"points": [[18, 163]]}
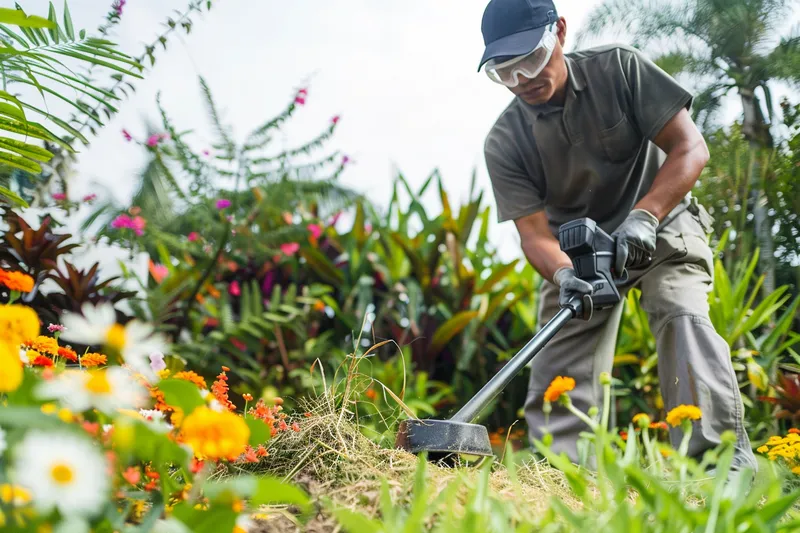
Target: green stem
{"points": [[606, 405], [651, 453], [684, 447], [566, 402]]}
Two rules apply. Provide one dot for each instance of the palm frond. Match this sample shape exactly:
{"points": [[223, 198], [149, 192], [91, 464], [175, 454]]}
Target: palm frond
{"points": [[223, 132], [783, 62]]}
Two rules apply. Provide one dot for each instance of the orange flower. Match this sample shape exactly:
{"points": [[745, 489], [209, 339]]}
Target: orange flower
{"points": [[371, 394], [193, 377], [43, 344], [16, 281], [68, 354], [93, 359], [247, 397], [659, 425], [624, 435], [212, 291], [794, 430], [557, 387], [220, 390]]}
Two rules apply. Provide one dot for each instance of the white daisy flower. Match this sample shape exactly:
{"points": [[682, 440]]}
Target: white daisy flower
{"points": [[134, 341], [155, 419], [106, 390], [3, 442], [62, 470], [244, 524]]}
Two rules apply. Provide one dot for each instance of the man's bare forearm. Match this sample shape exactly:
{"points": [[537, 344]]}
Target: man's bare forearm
{"points": [[687, 155], [545, 255]]}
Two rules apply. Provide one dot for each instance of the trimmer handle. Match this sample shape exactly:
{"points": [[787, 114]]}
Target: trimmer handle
{"points": [[592, 252]]}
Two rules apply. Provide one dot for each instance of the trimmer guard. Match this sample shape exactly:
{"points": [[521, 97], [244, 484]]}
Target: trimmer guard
{"points": [[443, 437]]}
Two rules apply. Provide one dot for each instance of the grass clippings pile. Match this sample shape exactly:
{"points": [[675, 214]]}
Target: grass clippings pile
{"points": [[331, 458]]}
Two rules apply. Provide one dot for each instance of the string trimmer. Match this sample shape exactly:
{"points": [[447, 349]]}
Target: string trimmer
{"points": [[592, 253]]}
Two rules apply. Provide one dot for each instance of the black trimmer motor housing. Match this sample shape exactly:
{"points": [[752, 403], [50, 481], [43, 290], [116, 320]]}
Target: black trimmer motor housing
{"points": [[592, 252]]}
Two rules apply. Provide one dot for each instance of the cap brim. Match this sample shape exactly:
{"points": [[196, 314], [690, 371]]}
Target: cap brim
{"points": [[516, 44]]}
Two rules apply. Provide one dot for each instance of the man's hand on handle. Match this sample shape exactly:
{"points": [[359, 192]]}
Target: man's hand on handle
{"points": [[570, 285], [635, 238]]}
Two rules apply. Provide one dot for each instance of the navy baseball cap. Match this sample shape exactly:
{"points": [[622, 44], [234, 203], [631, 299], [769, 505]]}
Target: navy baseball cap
{"points": [[514, 27]]}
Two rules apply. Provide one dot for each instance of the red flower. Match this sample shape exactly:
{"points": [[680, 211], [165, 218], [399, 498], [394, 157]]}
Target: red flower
{"points": [[335, 119], [239, 344], [42, 360], [196, 466], [193, 236]]}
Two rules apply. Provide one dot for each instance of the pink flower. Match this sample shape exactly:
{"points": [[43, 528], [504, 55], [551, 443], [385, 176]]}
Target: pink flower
{"points": [[122, 221], [137, 225], [335, 218], [368, 228], [234, 288], [157, 361], [193, 236], [90, 197], [52, 328], [222, 203], [206, 153], [290, 248], [160, 272], [300, 99], [345, 160], [335, 119], [152, 141], [59, 197], [127, 135], [315, 230], [118, 5]]}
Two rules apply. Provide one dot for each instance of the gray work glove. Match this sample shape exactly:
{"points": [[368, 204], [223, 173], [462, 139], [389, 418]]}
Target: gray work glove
{"points": [[635, 240], [570, 285]]}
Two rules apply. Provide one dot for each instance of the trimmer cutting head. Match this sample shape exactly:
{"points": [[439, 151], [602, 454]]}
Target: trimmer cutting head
{"points": [[443, 437]]}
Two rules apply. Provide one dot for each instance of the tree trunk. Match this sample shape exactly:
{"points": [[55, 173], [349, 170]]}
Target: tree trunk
{"points": [[756, 131]]}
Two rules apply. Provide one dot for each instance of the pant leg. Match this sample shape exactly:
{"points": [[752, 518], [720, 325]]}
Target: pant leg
{"points": [[694, 361], [581, 350]]}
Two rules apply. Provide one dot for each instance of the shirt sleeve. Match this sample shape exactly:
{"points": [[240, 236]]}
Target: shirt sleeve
{"points": [[655, 95], [515, 191]]}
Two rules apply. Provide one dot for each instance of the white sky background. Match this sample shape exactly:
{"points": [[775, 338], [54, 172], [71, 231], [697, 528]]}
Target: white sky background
{"points": [[402, 75]]}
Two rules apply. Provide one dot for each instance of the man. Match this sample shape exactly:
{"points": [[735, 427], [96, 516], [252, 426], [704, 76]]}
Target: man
{"points": [[604, 133]]}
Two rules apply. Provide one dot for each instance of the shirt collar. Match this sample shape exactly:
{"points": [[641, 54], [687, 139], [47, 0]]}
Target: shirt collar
{"points": [[576, 83]]}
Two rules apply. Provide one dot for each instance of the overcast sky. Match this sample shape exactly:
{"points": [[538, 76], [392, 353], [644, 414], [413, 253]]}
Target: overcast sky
{"points": [[402, 75]]}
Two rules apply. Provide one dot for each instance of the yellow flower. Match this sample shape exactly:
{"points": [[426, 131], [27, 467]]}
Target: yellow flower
{"points": [[642, 420], [18, 323], [215, 434], [796, 470], [774, 440], [683, 412], [14, 494], [557, 387], [763, 449], [10, 368]]}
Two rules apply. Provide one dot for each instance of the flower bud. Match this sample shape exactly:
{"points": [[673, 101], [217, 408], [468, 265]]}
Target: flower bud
{"points": [[728, 437], [547, 439], [593, 411], [605, 378], [547, 408]]}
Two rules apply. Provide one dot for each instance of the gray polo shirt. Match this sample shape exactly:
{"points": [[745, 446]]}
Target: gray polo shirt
{"points": [[593, 157]]}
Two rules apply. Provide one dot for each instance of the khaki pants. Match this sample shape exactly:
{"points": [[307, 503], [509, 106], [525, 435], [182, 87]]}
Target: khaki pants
{"points": [[694, 362]]}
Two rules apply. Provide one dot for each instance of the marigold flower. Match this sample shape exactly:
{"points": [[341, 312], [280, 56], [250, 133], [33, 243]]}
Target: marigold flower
{"points": [[43, 344], [642, 420], [683, 412], [18, 323], [557, 387], [659, 425], [763, 449], [93, 359], [192, 377], [794, 431], [220, 390], [10, 368], [215, 434], [16, 281], [796, 470]]}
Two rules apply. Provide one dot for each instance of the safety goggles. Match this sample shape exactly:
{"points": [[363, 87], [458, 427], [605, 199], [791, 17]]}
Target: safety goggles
{"points": [[530, 65]]}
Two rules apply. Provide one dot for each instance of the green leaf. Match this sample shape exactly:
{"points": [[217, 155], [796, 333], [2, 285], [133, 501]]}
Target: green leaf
{"points": [[13, 160], [198, 521], [26, 150], [180, 393], [497, 275], [450, 329], [259, 431], [12, 111], [29, 417], [51, 16], [68, 22], [18, 18], [355, 522], [271, 490], [13, 197], [322, 266]]}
